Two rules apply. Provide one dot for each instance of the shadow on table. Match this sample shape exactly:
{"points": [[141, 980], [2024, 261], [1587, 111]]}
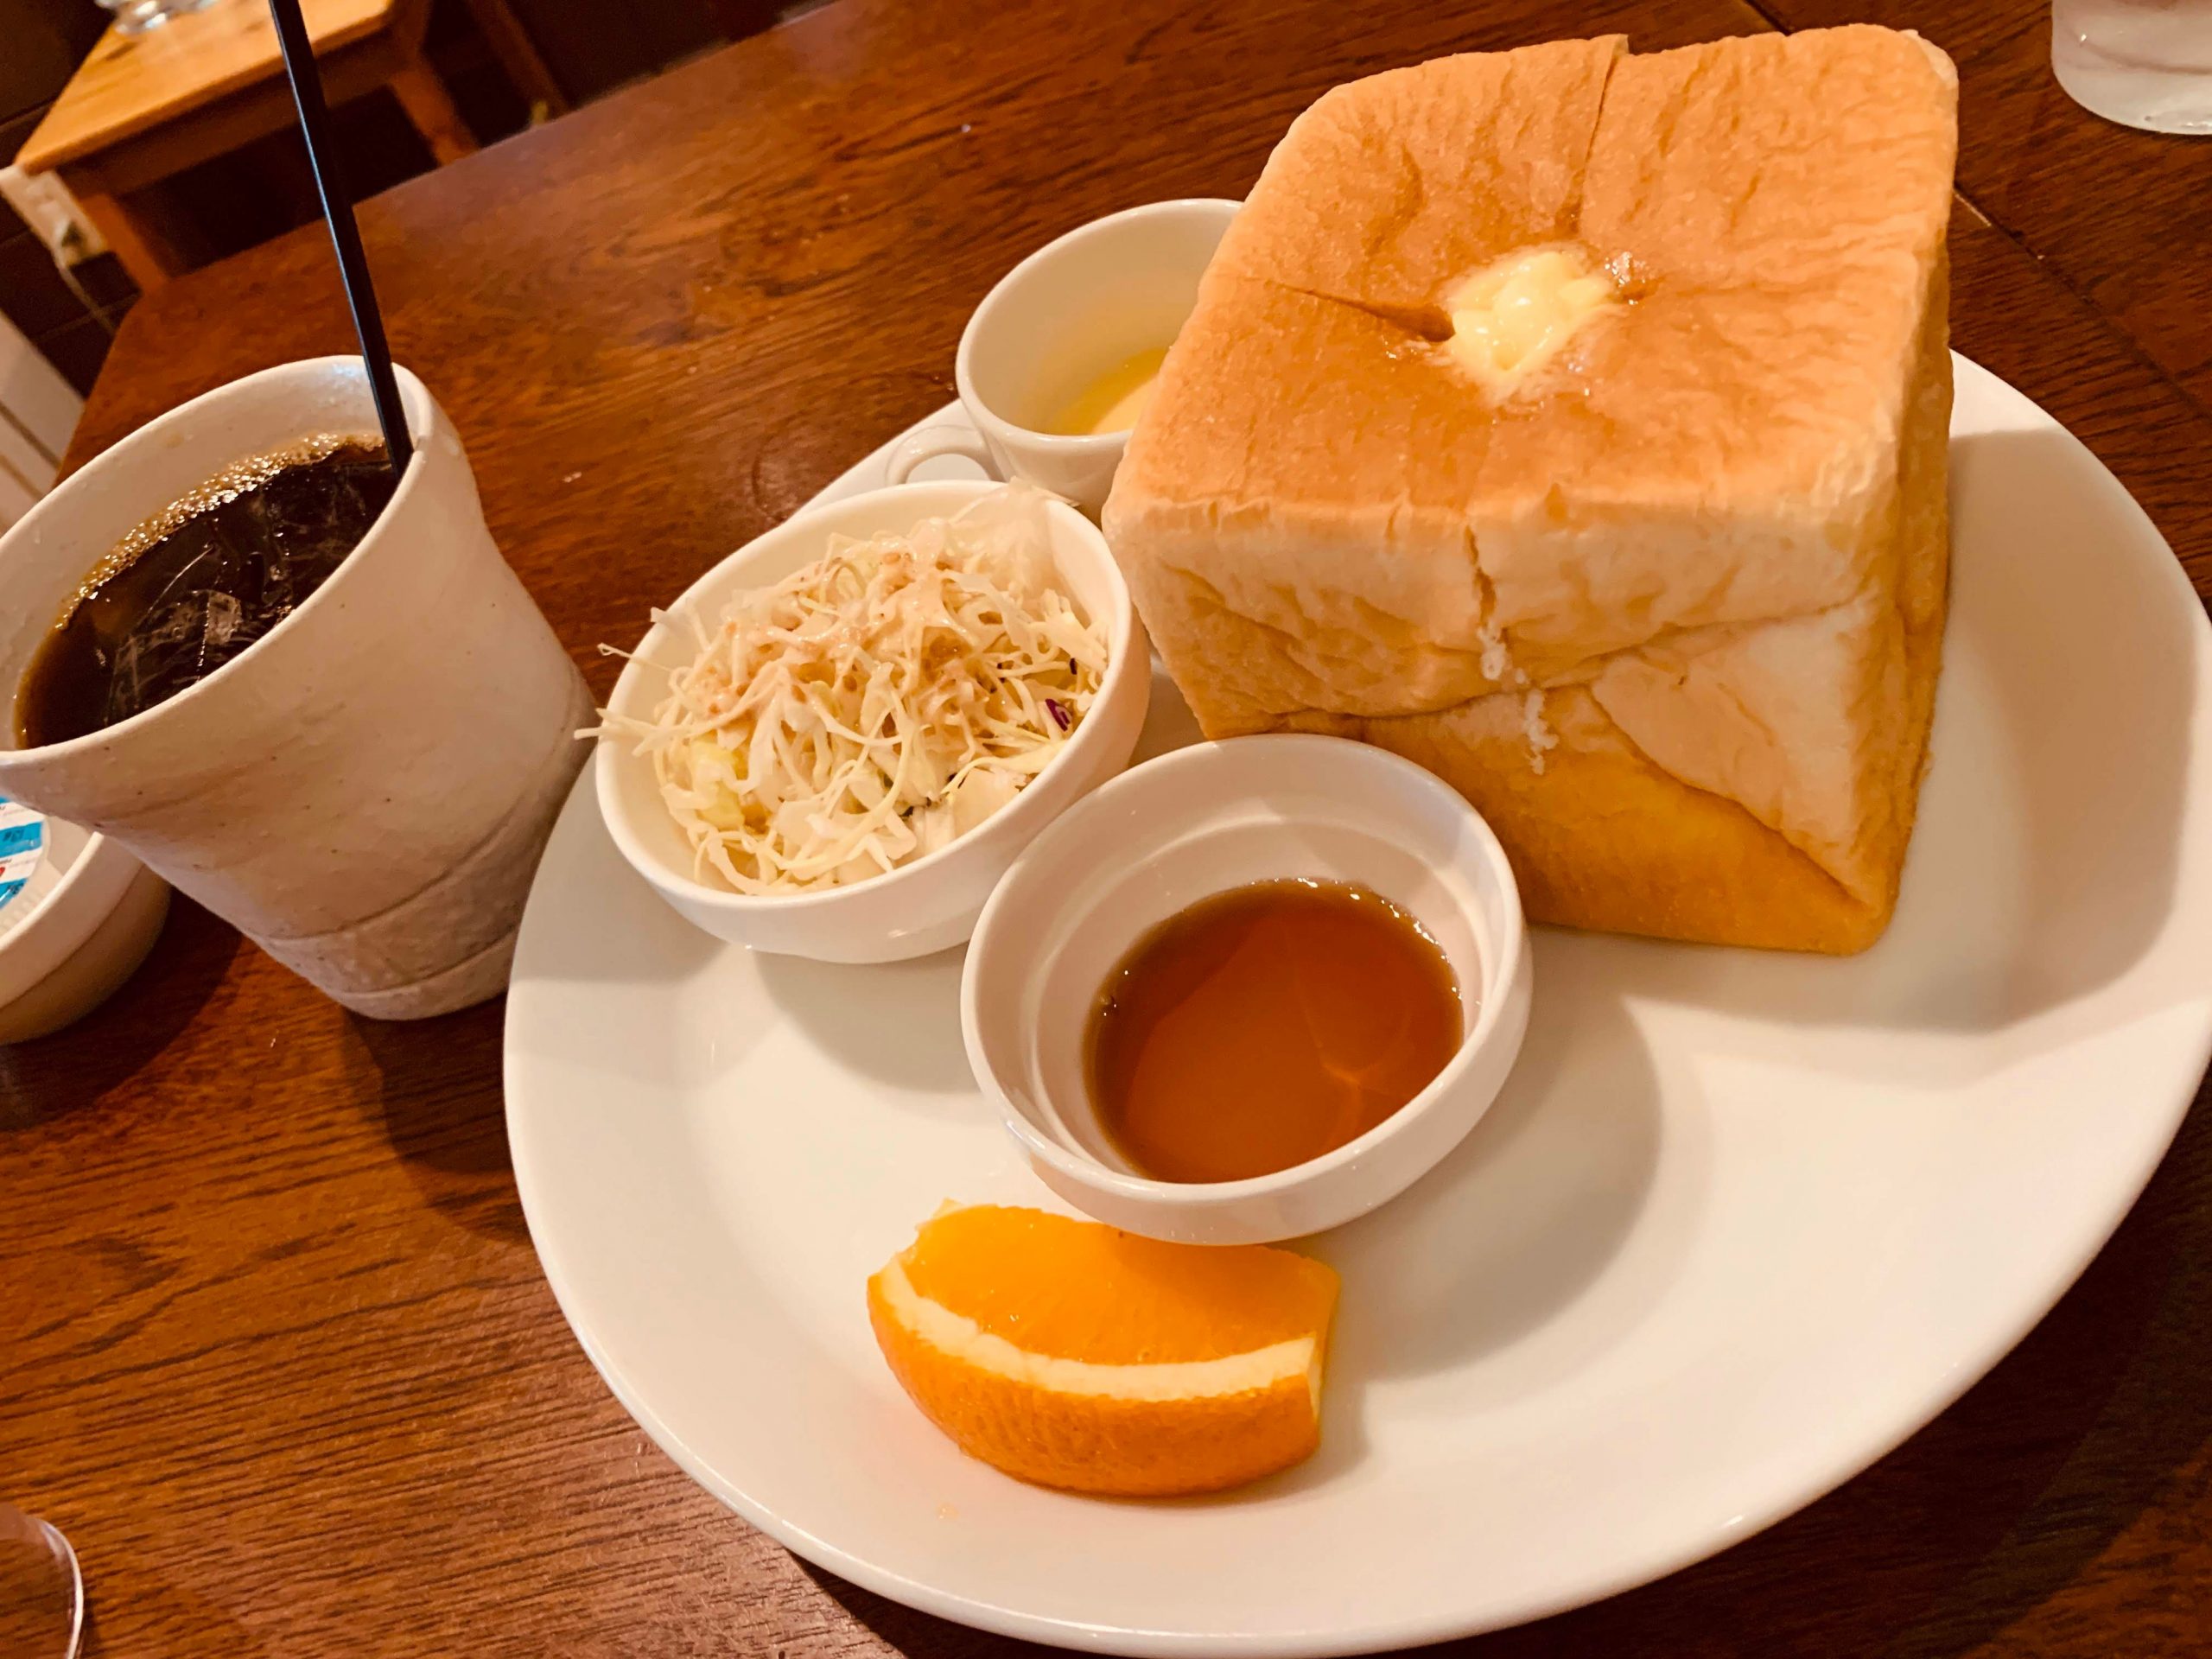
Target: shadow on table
{"points": [[436, 1085], [1996, 1508], [40, 1080]]}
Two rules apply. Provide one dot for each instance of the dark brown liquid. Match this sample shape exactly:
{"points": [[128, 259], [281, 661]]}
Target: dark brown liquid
{"points": [[1267, 1026], [199, 583]]}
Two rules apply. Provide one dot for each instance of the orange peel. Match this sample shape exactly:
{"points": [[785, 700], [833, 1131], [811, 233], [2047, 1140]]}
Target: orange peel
{"points": [[1076, 1356]]}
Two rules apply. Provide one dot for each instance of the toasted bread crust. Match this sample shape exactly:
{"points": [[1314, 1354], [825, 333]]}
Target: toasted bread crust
{"points": [[1671, 613]]}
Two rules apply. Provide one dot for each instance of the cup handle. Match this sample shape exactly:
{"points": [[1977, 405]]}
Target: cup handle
{"points": [[916, 447]]}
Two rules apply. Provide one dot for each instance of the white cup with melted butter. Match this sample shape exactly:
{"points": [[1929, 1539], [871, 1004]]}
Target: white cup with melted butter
{"points": [[1055, 365]]}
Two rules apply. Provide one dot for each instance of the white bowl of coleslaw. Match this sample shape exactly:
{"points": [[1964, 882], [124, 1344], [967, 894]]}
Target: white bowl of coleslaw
{"points": [[929, 900]]}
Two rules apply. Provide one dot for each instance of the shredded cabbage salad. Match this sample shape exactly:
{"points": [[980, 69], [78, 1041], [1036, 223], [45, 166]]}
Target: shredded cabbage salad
{"points": [[868, 709]]}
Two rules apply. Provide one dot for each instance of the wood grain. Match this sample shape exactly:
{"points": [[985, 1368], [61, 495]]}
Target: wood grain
{"points": [[132, 83], [276, 1349]]}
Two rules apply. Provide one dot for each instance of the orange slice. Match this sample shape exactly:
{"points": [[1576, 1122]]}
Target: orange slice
{"points": [[1078, 1355]]}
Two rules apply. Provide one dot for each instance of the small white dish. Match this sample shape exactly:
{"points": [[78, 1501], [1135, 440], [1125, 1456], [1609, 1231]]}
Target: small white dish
{"points": [[1198, 822], [83, 921], [932, 903], [1072, 312]]}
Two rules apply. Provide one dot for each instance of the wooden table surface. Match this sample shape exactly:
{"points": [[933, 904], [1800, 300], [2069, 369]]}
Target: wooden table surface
{"points": [[142, 108], [274, 1346], [131, 82]]}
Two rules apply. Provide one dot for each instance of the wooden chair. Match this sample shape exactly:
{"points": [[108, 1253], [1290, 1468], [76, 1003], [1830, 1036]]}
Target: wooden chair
{"points": [[144, 107]]}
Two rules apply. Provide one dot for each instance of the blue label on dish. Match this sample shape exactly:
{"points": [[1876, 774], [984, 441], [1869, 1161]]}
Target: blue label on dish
{"points": [[22, 837]]}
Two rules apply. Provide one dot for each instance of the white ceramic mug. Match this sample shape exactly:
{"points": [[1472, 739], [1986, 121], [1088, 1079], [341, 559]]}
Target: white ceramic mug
{"points": [[1065, 317], [365, 790]]}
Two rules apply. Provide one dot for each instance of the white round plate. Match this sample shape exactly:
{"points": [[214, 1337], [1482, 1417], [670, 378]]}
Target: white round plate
{"points": [[1738, 1225]]}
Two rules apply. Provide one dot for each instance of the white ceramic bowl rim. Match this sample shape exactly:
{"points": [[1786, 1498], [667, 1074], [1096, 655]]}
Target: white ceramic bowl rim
{"points": [[1498, 975], [1065, 442], [95, 859], [414, 398], [1118, 667]]}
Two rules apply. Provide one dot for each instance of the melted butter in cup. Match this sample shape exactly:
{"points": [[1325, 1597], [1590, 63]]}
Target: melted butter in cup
{"points": [[1113, 402]]}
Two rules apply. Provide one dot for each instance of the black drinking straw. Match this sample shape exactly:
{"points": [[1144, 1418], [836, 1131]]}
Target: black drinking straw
{"points": [[345, 236]]}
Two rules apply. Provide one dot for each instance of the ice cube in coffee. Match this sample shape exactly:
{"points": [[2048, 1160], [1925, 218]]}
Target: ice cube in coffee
{"points": [[199, 583]]}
